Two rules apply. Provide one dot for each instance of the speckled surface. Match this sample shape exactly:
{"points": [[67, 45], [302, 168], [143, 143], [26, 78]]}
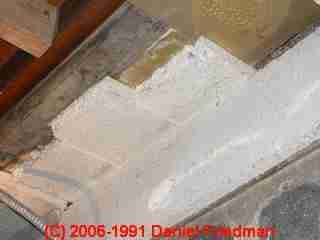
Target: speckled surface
{"points": [[294, 213], [13, 227], [202, 126], [288, 200], [249, 29]]}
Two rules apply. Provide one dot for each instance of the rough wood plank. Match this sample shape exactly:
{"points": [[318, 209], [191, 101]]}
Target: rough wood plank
{"points": [[29, 71], [115, 47], [29, 24]]}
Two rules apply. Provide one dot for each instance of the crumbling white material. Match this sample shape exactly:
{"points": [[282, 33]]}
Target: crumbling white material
{"points": [[202, 126]]}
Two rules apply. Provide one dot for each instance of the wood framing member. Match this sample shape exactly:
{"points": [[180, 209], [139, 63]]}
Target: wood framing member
{"points": [[115, 47], [25, 72], [29, 24], [7, 51]]}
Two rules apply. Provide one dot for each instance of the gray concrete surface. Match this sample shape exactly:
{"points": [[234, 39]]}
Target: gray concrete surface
{"points": [[294, 213], [287, 199], [13, 227]]}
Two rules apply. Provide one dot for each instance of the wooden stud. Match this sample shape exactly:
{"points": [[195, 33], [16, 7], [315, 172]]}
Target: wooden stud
{"points": [[29, 24]]}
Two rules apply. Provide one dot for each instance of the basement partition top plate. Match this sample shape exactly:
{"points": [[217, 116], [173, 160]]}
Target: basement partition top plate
{"points": [[249, 29]]}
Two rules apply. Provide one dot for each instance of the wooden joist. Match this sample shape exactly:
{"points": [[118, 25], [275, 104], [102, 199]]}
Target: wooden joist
{"points": [[7, 51], [29, 24], [24, 71]]}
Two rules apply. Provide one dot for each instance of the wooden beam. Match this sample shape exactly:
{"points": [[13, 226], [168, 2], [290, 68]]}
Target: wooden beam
{"points": [[29, 24], [105, 52], [27, 71], [7, 51]]}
